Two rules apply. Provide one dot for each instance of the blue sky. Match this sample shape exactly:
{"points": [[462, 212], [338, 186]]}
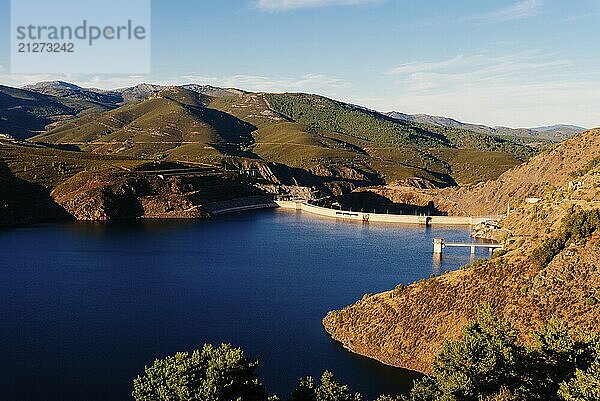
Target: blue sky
{"points": [[501, 62]]}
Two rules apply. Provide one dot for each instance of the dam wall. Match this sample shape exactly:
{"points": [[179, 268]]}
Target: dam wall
{"points": [[386, 218]]}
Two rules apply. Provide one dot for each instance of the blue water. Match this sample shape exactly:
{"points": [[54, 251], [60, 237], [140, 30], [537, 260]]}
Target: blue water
{"points": [[84, 306]]}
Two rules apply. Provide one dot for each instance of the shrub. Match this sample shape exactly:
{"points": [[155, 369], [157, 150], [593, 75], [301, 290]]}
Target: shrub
{"points": [[585, 386], [595, 162], [328, 390], [400, 287], [499, 253], [582, 224], [210, 374], [577, 226], [488, 363], [551, 247]]}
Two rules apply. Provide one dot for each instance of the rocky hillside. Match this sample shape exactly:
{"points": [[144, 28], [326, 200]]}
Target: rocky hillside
{"points": [[552, 169], [39, 184], [551, 267], [112, 194]]}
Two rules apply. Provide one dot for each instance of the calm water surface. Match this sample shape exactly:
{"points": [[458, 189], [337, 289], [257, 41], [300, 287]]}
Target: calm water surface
{"points": [[85, 306]]}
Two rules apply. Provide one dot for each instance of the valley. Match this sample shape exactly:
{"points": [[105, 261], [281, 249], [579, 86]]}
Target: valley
{"points": [[196, 152], [59, 135]]}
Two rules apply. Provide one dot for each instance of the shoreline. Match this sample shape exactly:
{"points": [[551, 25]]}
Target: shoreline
{"points": [[348, 345], [244, 204]]}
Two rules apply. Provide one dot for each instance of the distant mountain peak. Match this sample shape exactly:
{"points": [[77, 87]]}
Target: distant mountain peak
{"points": [[55, 85], [214, 91], [556, 132], [559, 127]]}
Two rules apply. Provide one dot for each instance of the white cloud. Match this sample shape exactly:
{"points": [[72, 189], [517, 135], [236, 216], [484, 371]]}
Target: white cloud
{"points": [[522, 9], [530, 88], [475, 69], [426, 66], [318, 83], [307, 83], [527, 105], [580, 17], [285, 5], [86, 81], [521, 89]]}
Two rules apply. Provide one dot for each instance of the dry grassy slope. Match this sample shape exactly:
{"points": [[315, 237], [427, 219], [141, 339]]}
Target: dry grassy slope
{"points": [[406, 327], [552, 168]]}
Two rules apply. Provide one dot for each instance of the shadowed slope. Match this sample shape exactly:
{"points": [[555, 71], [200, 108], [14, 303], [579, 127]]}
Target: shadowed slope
{"points": [[24, 113]]}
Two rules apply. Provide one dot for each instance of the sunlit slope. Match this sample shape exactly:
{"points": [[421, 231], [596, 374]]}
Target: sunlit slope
{"points": [[548, 269], [48, 167], [297, 130], [402, 150], [157, 127]]}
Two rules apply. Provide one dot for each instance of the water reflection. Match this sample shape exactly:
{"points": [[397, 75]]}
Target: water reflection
{"points": [[436, 263]]}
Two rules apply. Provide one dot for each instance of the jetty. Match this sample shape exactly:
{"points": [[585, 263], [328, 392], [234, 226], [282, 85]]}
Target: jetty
{"points": [[439, 244]]}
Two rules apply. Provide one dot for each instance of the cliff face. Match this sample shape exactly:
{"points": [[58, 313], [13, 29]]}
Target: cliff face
{"points": [[407, 326], [329, 180], [409, 195], [114, 194], [85, 186]]}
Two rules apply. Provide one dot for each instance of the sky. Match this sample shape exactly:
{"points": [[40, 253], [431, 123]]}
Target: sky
{"points": [[518, 63]]}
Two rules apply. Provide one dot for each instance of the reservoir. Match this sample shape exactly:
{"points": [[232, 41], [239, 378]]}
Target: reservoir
{"points": [[84, 306]]}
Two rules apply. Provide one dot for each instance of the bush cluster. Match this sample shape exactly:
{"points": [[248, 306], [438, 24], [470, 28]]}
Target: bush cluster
{"points": [[577, 226], [488, 363], [323, 114], [595, 162]]}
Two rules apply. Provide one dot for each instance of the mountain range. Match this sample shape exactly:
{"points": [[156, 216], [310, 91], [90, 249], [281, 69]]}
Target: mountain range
{"points": [[557, 132], [205, 124], [73, 94]]}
